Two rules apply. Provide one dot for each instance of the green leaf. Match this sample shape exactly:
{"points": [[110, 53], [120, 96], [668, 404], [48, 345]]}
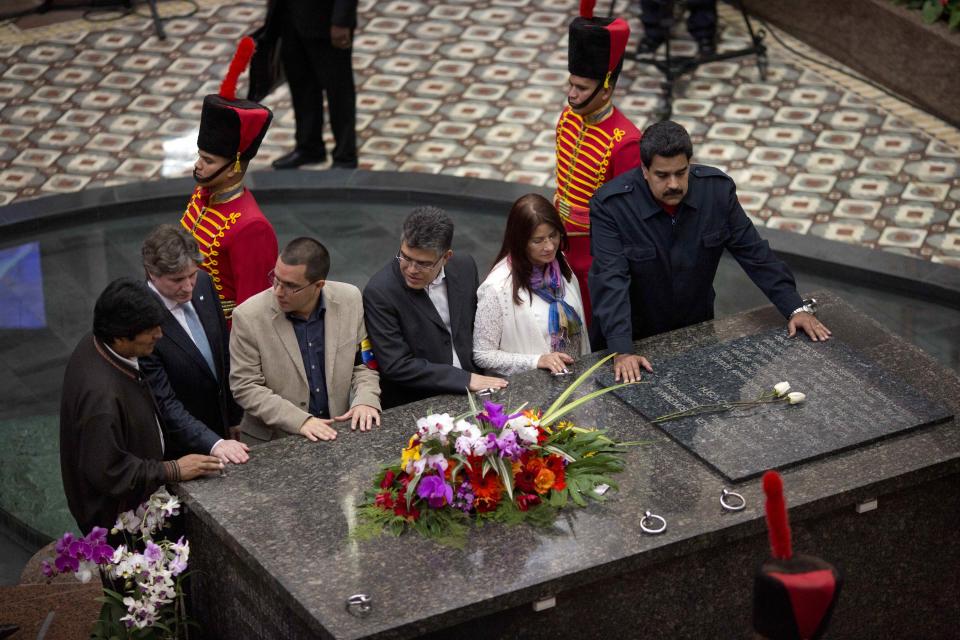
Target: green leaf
{"points": [[576, 383], [954, 20], [560, 452], [473, 403], [932, 10], [555, 413], [506, 475], [411, 487]]}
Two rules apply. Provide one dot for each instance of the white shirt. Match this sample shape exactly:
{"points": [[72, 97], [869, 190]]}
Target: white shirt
{"points": [[133, 362], [509, 338], [437, 290], [176, 309]]}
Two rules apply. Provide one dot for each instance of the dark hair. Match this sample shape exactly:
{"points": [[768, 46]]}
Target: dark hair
{"points": [[309, 252], [169, 249], [125, 309], [428, 228], [528, 213], [665, 139]]}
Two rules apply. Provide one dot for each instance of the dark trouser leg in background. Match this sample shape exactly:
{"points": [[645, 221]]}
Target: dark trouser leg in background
{"points": [[651, 12], [306, 92], [702, 23], [337, 78]]}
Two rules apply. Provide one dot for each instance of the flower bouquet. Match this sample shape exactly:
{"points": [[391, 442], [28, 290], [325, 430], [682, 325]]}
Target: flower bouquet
{"points": [[491, 465], [147, 601]]}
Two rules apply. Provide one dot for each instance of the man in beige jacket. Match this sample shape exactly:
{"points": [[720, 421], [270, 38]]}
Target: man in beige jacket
{"points": [[295, 353]]}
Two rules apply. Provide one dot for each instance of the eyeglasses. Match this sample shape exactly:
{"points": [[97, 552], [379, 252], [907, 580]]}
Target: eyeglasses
{"points": [[416, 265], [291, 289]]}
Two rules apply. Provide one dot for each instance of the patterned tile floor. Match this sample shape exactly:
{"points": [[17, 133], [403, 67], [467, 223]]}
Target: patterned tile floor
{"points": [[473, 88]]}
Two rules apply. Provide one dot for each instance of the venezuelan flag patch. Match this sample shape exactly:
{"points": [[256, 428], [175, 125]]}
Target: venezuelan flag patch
{"points": [[366, 354]]}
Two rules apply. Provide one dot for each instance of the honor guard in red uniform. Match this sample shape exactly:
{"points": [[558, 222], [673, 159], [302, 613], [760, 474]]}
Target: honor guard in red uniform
{"points": [[595, 141], [238, 243]]}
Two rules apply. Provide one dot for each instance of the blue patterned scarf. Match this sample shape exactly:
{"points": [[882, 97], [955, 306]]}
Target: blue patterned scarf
{"points": [[563, 322]]}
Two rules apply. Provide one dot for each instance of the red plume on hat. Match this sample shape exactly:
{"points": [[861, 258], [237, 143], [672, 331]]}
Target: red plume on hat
{"points": [[228, 88], [793, 595], [230, 127]]}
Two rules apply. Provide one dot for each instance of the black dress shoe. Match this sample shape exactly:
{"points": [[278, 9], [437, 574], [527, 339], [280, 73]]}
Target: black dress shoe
{"points": [[341, 164], [297, 158], [648, 46], [706, 47]]}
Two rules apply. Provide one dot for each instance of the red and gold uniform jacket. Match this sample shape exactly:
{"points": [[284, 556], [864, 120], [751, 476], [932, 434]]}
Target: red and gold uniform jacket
{"points": [[591, 150], [238, 243]]}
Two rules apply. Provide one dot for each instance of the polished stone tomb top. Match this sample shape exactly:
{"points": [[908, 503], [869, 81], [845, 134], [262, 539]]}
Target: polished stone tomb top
{"points": [[850, 401], [286, 516]]}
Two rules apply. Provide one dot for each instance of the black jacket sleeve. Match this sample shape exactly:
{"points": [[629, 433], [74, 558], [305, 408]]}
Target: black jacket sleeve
{"points": [[609, 278], [181, 428]]}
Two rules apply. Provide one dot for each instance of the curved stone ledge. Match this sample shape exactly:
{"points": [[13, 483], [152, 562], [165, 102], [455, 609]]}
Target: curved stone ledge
{"points": [[859, 265]]}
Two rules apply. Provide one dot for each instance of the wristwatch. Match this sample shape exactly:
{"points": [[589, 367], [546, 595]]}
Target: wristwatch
{"points": [[809, 306]]}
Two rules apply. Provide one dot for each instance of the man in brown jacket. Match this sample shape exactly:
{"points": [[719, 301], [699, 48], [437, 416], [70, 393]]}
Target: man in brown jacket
{"points": [[296, 363], [112, 449]]}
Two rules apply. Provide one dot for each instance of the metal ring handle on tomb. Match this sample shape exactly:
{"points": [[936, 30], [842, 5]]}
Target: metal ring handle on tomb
{"points": [[732, 507], [360, 605], [653, 517]]}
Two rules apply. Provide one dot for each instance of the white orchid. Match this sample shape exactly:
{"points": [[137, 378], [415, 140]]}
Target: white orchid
{"points": [[525, 432], [435, 424], [781, 388], [467, 428], [85, 572], [796, 397]]}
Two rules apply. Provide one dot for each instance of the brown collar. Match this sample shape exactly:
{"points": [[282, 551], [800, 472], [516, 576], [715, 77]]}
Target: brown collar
{"points": [[119, 366]]}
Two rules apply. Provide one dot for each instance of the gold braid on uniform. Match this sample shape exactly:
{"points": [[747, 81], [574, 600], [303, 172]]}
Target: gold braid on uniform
{"points": [[208, 225], [583, 159]]}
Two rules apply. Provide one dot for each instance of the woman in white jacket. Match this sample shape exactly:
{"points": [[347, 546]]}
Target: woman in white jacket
{"points": [[529, 311]]}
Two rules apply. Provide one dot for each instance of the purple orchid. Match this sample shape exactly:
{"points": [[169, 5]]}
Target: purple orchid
{"points": [[493, 413], [153, 552], [508, 445], [435, 491], [64, 543], [65, 563], [505, 444], [464, 497]]}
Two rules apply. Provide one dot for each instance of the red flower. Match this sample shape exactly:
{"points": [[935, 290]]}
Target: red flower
{"points": [[526, 500], [487, 490], [542, 435], [555, 464], [400, 508], [525, 480], [388, 478], [384, 500]]}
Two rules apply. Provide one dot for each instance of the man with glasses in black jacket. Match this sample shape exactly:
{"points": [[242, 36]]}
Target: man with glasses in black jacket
{"points": [[419, 310]]}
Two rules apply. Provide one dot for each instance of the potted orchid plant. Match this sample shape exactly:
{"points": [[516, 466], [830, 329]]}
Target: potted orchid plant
{"points": [[145, 599]]}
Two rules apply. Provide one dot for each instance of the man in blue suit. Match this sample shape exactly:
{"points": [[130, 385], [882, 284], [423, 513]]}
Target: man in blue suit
{"points": [[189, 369]]}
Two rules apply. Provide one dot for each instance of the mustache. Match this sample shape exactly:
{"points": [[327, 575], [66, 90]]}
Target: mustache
{"points": [[673, 192]]}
